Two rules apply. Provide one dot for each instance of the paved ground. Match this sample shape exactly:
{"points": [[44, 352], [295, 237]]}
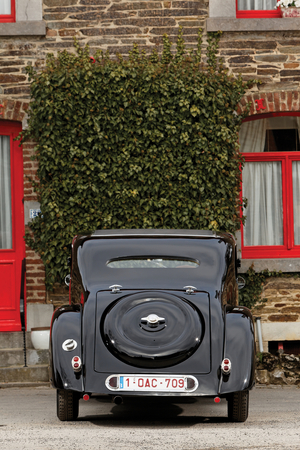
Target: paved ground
{"points": [[28, 421]]}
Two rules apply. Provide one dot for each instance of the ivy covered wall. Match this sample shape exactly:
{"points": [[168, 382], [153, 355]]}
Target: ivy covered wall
{"points": [[146, 142]]}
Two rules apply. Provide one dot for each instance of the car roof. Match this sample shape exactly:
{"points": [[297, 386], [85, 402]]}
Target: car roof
{"points": [[157, 232]]}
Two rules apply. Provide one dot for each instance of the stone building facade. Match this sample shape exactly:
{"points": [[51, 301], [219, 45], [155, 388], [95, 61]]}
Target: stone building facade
{"points": [[267, 49]]}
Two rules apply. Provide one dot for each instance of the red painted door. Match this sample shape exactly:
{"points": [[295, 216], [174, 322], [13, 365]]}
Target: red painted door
{"points": [[12, 246]]}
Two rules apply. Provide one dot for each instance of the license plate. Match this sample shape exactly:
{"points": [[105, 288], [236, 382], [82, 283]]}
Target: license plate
{"points": [[152, 383]]}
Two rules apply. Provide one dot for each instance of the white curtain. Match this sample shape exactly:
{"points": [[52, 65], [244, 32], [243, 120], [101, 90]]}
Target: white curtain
{"points": [[256, 4], [5, 194], [252, 136], [262, 187], [5, 6]]}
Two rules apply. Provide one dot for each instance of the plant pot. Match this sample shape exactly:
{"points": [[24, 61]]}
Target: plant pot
{"points": [[40, 338], [292, 11]]}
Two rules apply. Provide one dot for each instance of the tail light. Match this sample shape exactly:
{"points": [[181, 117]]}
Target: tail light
{"points": [[76, 364], [226, 366]]}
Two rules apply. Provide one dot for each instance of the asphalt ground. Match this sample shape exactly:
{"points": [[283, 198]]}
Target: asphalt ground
{"points": [[28, 421]]}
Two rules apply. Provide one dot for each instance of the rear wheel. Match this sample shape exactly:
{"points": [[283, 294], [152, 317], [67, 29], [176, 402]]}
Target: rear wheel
{"points": [[238, 406], [67, 405]]}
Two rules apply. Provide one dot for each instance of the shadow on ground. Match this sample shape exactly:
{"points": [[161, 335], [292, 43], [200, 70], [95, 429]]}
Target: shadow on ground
{"points": [[161, 412]]}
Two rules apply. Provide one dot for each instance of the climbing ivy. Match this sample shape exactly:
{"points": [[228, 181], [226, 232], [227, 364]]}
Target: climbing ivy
{"points": [[144, 142], [251, 294]]}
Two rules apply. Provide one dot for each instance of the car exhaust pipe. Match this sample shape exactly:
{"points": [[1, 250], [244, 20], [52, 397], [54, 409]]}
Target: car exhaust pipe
{"points": [[118, 400]]}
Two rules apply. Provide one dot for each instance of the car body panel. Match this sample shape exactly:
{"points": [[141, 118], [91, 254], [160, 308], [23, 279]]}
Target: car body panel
{"points": [[66, 325], [208, 290], [241, 352]]}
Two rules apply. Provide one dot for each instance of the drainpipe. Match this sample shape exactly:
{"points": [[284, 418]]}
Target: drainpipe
{"points": [[259, 335]]}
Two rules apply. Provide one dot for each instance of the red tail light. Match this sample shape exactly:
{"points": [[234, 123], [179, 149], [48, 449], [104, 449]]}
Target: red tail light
{"points": [[76, 364], [226, 366]]}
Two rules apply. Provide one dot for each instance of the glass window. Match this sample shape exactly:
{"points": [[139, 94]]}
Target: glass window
{"points": [[5, 197], [256, 4], [7, 11], [152, 262], [262, 187], [5, 7], [271, 184], [256, 8]]}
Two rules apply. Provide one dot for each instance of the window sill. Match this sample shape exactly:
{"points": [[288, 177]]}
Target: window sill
{"points": [[283, 265], [233, 24], [26, 28]]}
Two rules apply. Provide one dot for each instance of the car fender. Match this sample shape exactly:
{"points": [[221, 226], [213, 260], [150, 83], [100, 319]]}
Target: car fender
{"points": [[65, 324], [239, 348]]}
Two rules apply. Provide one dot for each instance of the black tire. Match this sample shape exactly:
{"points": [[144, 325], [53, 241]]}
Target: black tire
{"points": [[238, 406], [67, 405]]}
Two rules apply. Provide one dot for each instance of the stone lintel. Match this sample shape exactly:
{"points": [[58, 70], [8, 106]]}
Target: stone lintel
{"points": [[280, 331], [233, 24], [26, 28]]}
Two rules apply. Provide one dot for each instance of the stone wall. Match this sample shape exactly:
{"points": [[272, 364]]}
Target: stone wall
{"points": [[272, 57], [280, 313], [283, 300], [279, 369], [114, 25]]}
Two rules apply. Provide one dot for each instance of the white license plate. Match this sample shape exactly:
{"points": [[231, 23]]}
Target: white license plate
{"points": [[157, 383]]}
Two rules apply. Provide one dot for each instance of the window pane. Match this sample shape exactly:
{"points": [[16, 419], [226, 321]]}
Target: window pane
{"points": [[276, 134], [5, 197], [296, 199], [5, 6], [153, 262], [262, 187], [256, 4], [282, 141]]}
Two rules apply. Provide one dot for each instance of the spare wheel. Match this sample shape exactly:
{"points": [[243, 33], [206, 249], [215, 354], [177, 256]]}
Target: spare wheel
{"points": [[152, 329]]}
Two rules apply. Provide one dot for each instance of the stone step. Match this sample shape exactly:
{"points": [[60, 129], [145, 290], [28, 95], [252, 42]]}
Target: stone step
{"points": [[14, 340], [18, 374], [15, 357]]}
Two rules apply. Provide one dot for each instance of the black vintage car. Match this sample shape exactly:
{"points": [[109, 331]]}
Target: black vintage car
{"points": [[153, 313]]}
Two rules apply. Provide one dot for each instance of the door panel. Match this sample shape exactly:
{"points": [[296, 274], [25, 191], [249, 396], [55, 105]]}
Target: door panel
{"points": [[12, 246]]}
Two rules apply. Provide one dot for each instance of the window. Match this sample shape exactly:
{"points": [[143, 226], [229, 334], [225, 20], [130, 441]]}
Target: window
{"points": [[271, 183], [5, 198], [22, 18], [246, 9], [227, 15], [7, 11], [153, 262]]}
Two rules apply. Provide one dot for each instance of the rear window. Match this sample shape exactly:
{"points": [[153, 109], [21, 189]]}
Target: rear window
{"points": [[152, 262]]}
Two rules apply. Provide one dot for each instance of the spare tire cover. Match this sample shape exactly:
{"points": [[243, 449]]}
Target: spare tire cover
{"points": [[152, 330]]}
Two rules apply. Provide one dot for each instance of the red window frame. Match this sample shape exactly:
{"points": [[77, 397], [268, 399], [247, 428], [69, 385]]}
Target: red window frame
{"points": [[10, 312], [288, 249], [9, 17], [256, 14]]}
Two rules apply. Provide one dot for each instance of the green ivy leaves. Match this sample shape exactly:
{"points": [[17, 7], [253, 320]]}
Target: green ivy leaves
{"points": [[147, 142]]}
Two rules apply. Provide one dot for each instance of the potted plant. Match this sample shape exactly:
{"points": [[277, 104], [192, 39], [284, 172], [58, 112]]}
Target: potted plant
{"points": [[289, 8]]}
